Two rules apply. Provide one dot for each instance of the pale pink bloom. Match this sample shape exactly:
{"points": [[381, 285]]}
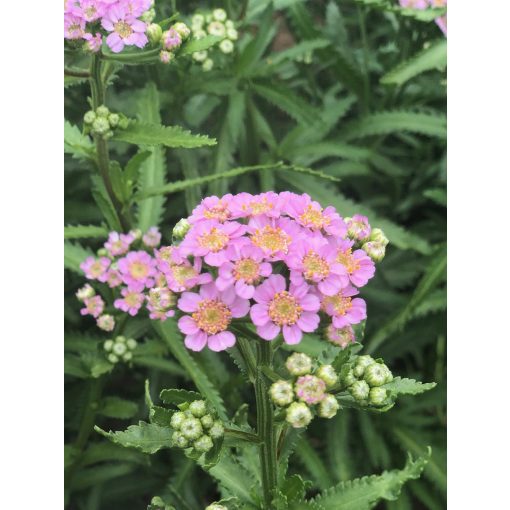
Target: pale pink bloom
{"points": [[105, 322], [185, 276], [212, 208], [311, 215], [118, 244], [210, 239], [244, 270], [93, 306], [314, 260], [112, 278], [340, 336], [310, 389], [90, 10], [358, 227], [94, 42], [245, 205], [131, 301], [211, 313], [135, 7], [125, 29], [167, 256], [74, 26], [159, 303], [152, 238], [414, 4], [171, 39], [344, 309], [137, 270], [359, 266], [95, 269], [294, 310]]}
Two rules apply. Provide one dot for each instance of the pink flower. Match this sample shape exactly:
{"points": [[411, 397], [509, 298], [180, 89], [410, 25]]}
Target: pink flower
{"points": [[310, 389], [171, 39], [90, 10], [212, 311], [135, 7], [93, 306], [184, 276], [440, 22], [74, 26], [340, 336], [152, 238], [245, 268], [359, 266], [343, 309], [132, 301], [314, 260], [210, 239], [167, 256], [414, 4], [112, 278], [212, 208], [137, 270], [311, 215], [125, 29], [159, 303], [294, 311], [118, 244], [358, 227], [246, 205], [94, 42], [95, 269]]}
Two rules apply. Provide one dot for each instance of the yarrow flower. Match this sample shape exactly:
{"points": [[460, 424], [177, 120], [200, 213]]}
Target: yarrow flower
{"points": [[93, 306], [137, 270], [124, 28], [131, 301], [95, 269], [118, 244]]}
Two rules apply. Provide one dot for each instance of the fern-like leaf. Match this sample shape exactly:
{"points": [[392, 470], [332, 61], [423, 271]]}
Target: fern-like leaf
{"points": [[84, 232], [74, 255], [77, 144]]}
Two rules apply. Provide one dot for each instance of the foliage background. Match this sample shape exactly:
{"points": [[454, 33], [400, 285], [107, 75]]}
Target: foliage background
{"points": [[347, 113]]}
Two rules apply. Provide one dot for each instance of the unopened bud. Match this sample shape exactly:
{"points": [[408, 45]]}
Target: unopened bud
{"points": [[216, 506], [207, 421], [226, 46], [310, 389], [328, 406], [358, 227], [282, 393], [182, 29], [376, 251], [197, 20], [108, 345], [89, 117], [200, 56], [106, 322], [377, 374], [136, 234], [298, 415], [378, 236], [103, 252], [148, 16], [112, 358], [232, 34], [121, 339], [102, 111], [207, 65], [181, 229], [219, 14], [131, 344], [204, 444], [299, 364], [361, 363], [327, 374], [377, 396], [340, 336], [154, 33], [166, 56], [347, 377], [101, 126], [87, 291], [128, 356], [119, 349], [198, 408], [217, 430], [191, 428], [177, 419], [216, 28], [113, 119], [180, 440], [359, 390]]}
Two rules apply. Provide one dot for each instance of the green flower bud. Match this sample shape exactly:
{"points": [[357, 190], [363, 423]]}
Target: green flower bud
{"points": [[216, 28], [200, 34], [89, 117], [348, 378], [207, 421], [128, 356], [299, 364], [328, 406], [121, 339], [119, 349], [179, 440], [136, 233], [198, 408], [108, 345], [204, 444], [148, 16], [232, 34], [216, 506], [377, 235], [131, 344], [177, 420], [361, 363], [197, 20], [217, 430], [113, 119], [207, 65], [154, 33], [282, 393], [191, 428], [377, 396], [112, 358], [219, 14], [200, 56], [298, 415], [102, 252], [375, 250], [181, 229], [100, 126], [229, 23], [227, 46], [102, 111], [376, 374], [359, 390], [327, 374], [182, 30], [87, 291]]}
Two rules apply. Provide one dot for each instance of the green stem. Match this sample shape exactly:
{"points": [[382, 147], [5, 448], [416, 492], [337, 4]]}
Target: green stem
{"points": [[265, 425]]}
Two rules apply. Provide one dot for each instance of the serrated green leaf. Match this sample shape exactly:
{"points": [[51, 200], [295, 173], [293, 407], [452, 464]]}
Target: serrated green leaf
{"points": [[96, 364], [313, 463], [77, 144], [147, 437], [177, 397], [84, 232], [403, 386], [115, 407], [74, 255], [104, 203], [296, 51]]}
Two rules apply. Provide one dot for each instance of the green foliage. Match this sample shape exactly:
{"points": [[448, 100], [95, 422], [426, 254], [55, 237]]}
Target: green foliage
{"points": [[77, 144], [84, 232], [74, 255]]}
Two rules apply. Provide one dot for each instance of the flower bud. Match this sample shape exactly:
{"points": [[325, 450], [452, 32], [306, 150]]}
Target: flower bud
{"points": [[358, 227], [177, 419], [229, 23], [112, 358], [181, 229], [103, 252], [310, 389], [299, 364], [136, 234], [377, 396], [131, 344], [100, 126], [171, 39], [376, 251], [199, 34], [282, 393], [86, 292], [148, 16], [219, 14], [154, 33], [191, 428], [207, 421], [359, 390], [377, 374], [119, 349], [204, 444], [200, 56], [89, 117], [127, 357], [216, 506], [197, 20], [216, 28], [378, 236], [340, 336], [207, 65], [347, 377], [179, 440], [361, 363], [113, 120], [166, 56], [106, 322], [226, 46], [217, 430], [298, 415], [328, 406], [198, 408], [232, 34], [327, 374], [121, 339], [182, 29], [108, 345], [102, 111]]}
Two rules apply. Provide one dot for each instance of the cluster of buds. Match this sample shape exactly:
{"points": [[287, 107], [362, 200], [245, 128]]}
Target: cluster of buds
{"points": [[364, 380], [213, 23], [120, 349], [306, 391], [372, 241], [101, 122], [169, 40], [195, 426], [94, 305], [375, 247]]}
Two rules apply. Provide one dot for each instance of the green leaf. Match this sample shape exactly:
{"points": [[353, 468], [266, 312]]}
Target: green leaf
{"points": [[77, 144], [74, 255], [115, 407], [96, 364], [403, 386], [433, 57], [177, 397], [438, 195], [314, 464], [147, 437], [364, 493], [104, 203], [212, 457], [397, 121], [143, 133], [132, 170], [195, 45], [84, 232], [293, 488], [297, 51]]}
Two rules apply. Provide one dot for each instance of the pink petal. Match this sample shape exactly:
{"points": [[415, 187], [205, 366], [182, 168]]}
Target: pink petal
{"points": [[244, 291], [310, 303], [216, 259], [187, 325], [263, 293], [268, 331], [265, 269], [189, 302], [221, 341], [208, 291], [228, 296], [276, 283], [292, 334], [308, 322], [239, 308], [196, 342], [223, 283], [259, 315], [330, 286]]}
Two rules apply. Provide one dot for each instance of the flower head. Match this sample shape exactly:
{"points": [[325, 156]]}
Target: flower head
{"points": [[94, 42], [124, 28], [93, 306], [344, 309], [358, 265], [340, 336], [137, 270], [131, 301], [358, 227], [310, 389], [152, 238], [95, 269], [106, 322], [87, 291], [212, 208], [74, 26], [118, 244], [160, 301]]}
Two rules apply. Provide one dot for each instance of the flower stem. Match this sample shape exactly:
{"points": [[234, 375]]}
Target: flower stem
{"points": [[265, 425]]}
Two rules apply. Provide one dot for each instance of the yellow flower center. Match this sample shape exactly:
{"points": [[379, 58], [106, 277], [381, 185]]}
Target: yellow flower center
{"points": [[90, 11], [347, 259], [123, 29], [284, 309], [259, 207], [215, 240], [183, 273], [246, 269], [212, 316], [96, 269], [340, 304], [218, 212], [313, 218], [132, 299], [315, 266], [138, 270], [271, 239], [165, 253]]}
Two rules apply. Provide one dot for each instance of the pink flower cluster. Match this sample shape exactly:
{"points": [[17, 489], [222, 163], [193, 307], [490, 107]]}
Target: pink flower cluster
{"points": [[424, 4], [119, 20]]}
